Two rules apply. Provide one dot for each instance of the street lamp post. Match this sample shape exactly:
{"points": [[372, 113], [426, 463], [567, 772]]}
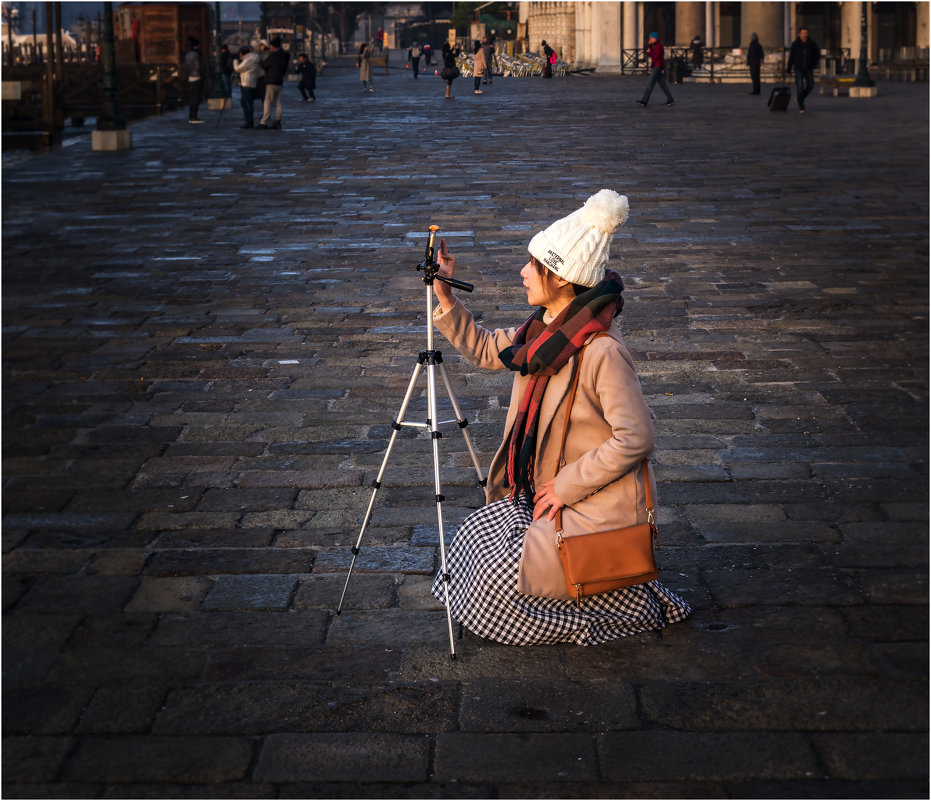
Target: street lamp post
{"points": [[863, 85], [218, 99], [111, 132], [863, 73]]}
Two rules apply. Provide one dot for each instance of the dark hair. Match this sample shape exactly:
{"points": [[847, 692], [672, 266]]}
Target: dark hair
{"points": [[476, 46], [276, 42], [244, 49], [362, 47], [545, 273]]}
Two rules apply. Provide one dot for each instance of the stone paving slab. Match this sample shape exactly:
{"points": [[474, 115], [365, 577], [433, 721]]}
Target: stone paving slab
{"points": [[207, 338]]}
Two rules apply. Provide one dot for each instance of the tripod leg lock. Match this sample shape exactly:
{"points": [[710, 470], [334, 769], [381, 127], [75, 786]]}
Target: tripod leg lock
{"points": [[430, 356], [464, 422], [355, 550], [440, 498]]}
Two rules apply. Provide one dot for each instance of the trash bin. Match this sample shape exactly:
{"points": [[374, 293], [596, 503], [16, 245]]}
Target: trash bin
{"points": [[674, 71]]}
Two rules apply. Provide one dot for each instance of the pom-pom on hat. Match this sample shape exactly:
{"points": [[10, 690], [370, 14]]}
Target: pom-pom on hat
{"points": [[576, 247]]}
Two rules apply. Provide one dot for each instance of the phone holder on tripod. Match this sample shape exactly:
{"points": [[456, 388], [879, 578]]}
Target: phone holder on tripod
{"points": [[434, 362]]}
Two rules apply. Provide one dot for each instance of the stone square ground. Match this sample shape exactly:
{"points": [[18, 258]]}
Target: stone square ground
{"points": [[206, 338]]}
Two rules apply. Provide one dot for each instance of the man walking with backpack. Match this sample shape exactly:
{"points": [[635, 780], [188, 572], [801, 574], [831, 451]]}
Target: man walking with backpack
{"points": [[414, 54]]}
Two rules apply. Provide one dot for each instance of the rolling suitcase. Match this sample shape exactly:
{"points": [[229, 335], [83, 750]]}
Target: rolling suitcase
{"points": [[779, 98]]}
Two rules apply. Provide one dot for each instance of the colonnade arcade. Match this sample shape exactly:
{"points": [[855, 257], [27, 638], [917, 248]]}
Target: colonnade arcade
{"points": [[594, 34]]}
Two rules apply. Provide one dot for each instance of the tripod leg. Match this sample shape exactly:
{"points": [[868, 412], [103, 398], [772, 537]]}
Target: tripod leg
{"points": [[435, 436], [376, 484], [462, 424]]}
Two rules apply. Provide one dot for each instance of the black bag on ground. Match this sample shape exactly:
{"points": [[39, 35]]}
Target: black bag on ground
{"points": [[779, 98]]}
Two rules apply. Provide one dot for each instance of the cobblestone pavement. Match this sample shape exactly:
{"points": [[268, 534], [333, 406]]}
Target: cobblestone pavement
{"points": [[206, 339]]}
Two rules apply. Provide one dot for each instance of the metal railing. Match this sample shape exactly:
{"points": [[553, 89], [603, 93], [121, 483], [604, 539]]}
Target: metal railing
{"points": [[716, 63]]}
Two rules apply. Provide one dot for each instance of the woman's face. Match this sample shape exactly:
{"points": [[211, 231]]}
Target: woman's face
{"points": [[538, 290]]}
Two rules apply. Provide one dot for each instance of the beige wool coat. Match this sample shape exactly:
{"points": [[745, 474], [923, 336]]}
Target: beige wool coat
{"points": [[479, 64], [609, 435], [365, 66]]}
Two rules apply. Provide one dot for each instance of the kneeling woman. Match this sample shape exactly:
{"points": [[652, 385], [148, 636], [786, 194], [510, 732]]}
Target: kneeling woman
{"points": [[506, 579]]}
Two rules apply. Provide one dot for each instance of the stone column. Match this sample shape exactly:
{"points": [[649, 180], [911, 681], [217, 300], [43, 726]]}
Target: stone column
{"points": [[582, 14], [631, 34], [591, 33], [628, 26], [922, 22], [690, 20], [850, 28], [567, 23], [765, 20], [608, 44]]}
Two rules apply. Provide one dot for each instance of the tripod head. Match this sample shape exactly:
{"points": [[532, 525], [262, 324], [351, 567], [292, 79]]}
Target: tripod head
{"points": [[429, 266]]}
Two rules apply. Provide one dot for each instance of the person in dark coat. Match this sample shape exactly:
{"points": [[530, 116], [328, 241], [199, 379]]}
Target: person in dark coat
{"points": [[414, 55], [196, 73], [275, 65], [696, 46], [803, 58], [657, 56], [450, 68], [308, 72], [548, 54], [755, 61]]}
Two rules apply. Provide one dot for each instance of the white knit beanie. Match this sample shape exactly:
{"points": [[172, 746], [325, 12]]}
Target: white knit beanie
{"points": [[576, 247]]}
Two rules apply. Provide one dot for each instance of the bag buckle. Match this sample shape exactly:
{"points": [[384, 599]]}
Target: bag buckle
{"points": [[559, 539]]}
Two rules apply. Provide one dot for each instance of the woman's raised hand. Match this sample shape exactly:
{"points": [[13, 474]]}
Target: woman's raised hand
{"points": [[447, 262]]}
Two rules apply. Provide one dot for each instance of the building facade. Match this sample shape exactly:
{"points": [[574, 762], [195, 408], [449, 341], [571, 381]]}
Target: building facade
{"points": [[596, 34]]}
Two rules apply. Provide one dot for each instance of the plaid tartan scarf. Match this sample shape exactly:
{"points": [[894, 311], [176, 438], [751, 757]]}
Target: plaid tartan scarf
{"points": [[542, 350]]}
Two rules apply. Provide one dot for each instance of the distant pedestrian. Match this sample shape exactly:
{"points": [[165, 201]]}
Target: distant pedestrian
{"points": [[308, 71], [549, 59], [696, 46], [364, 64], [488, 45], [803, 58], [226, 71], [275, 65], [450, 68], [262, 53], [657, 58], [414, 55], [247, 67], [427, 56], [196, 72], [478, 68], [755, 61]]}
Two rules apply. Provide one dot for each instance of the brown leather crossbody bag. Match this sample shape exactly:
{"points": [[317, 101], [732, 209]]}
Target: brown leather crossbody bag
{"points": [[606, 560]]}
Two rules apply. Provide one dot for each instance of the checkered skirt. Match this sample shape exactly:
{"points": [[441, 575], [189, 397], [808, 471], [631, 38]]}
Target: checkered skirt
{"points": [[483, 562]]}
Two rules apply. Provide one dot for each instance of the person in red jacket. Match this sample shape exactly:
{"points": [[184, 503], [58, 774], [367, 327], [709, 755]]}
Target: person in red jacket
{"points": [[657, 62]]}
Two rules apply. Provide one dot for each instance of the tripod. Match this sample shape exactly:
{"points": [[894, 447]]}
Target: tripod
{"points": [[434, 361]]}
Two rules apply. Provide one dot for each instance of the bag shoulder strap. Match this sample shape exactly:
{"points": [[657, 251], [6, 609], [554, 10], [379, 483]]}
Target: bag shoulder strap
{"points": [[645, 464]]}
